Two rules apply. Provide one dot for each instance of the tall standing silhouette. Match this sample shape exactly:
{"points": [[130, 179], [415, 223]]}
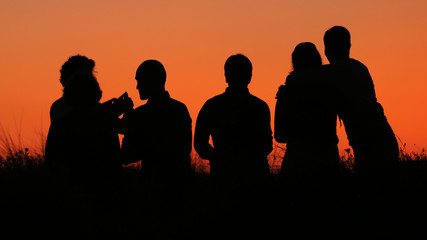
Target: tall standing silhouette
{"points": [[368, 131], [239, 125], [305, 119], [159, 134], [83, 152]]}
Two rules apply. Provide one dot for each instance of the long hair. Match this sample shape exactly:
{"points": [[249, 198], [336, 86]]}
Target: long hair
{"points": [[305, 56]]}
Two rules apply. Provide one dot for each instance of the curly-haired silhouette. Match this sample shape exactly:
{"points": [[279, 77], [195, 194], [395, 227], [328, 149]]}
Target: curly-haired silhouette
{"points": [[159, 134], [368, 131], [74, 65], [78, 64], [239, 125], [83, 152], [305, 119]]}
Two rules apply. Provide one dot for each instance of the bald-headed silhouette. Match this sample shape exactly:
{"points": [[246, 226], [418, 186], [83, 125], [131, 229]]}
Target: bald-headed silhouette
{"points": [[368, 131], [305, 119], [159, 134]]}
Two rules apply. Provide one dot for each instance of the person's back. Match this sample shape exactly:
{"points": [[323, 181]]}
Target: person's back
{"points": [[239, 124]]}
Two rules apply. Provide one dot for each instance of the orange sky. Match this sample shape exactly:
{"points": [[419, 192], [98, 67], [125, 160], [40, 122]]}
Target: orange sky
{"points": [[193, 38]]}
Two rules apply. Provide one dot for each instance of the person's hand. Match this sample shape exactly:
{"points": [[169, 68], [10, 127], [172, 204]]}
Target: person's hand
{"points": [[125, 103]]}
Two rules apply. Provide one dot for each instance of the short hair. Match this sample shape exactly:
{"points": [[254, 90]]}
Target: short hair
{"points": [[238, 67], [76, 64], [305, 55], [152, 69], [337, 39], [82, 90]]}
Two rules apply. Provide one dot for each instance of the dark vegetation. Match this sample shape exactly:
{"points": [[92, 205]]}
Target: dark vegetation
{"points": [[29, 210]]}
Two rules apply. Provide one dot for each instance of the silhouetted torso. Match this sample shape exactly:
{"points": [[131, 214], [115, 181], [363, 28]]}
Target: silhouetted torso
{"points": [[239, 124], [306, 113], [83, 150], [159, 133], [368, 131], [305, 119], [59, 109]]}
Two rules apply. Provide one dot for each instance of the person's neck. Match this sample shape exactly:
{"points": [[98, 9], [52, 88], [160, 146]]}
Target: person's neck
{"points": [[158, 95], [338, 59], [237, 89]]}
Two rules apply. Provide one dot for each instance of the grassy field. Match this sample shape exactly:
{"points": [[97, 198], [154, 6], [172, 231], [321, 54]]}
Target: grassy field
{"points": [[30, 206]]}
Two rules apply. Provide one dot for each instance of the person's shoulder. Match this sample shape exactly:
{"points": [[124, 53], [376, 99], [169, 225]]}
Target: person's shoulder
{"points": [[258, 101], [60, 100], [137, 112], [141, 108], [58, 104], [218, 99], [357, 63], [178, 105]]}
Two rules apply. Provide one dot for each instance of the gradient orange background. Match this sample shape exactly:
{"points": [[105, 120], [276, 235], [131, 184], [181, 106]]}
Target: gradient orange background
{"points": [[193, 38]]}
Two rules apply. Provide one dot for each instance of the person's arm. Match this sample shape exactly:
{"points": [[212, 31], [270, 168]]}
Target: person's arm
{"points": [[280, 116], [130, 141], [202, 134], [267, 137]]}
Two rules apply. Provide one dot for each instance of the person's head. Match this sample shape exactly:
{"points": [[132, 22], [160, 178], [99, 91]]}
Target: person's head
{"points": [[82, 91], [238, 71], [337, 43], [151, 79], [76, 64], [305, 56]]}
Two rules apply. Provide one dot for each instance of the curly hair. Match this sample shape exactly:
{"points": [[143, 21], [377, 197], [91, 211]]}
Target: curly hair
{"points": [[76, 64]]}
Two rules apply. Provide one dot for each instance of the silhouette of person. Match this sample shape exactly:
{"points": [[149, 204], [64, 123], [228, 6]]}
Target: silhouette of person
{"points": [[239, 125], [81, 64], [83, 152], [368, 131], [75, 64], [159, 134], [305, 119]]}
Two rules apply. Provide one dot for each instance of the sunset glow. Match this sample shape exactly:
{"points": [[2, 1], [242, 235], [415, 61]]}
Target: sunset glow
{"points": [[193, 39]]}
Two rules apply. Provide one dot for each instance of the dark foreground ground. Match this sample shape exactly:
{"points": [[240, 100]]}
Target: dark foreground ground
{"points": [[29, 210]]}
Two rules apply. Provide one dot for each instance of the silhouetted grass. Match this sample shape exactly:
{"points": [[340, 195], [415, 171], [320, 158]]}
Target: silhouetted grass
{"points": [[26, 193]]}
